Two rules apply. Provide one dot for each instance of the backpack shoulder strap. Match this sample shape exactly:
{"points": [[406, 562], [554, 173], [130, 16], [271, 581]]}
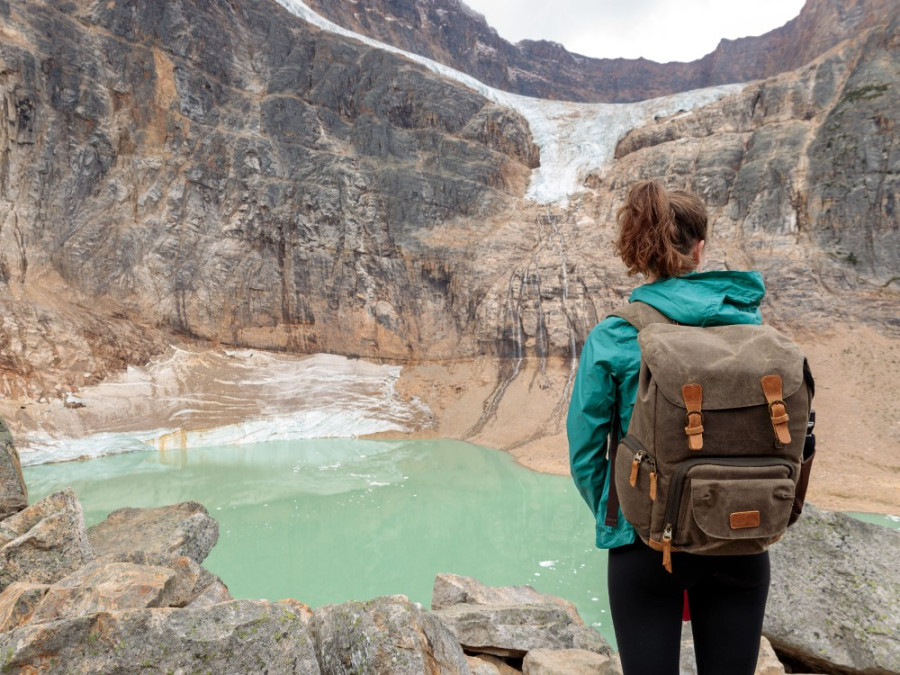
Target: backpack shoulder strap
{"points": [[640, 314]]}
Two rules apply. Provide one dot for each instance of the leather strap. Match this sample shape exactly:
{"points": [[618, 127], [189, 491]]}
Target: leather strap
{"points": [[612, 445], [639, 315], [772, 388], [693, 419]]}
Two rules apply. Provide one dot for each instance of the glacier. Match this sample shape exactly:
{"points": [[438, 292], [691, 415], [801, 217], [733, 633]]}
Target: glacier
{"points": [[574, 138]]}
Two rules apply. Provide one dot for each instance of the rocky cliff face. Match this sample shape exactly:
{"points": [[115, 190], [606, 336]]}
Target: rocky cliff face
{"points": [[229, 173], [449, 32]]}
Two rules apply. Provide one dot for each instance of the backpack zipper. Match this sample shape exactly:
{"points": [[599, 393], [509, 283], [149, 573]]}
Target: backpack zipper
{"points": [[641, 455]]}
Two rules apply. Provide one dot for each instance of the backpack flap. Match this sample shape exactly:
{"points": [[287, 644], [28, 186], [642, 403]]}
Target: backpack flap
{"points": [[722, 370], [717, 358]]}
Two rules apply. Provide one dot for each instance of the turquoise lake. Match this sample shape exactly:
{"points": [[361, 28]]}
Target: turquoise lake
{"points": [[331, 520], [327, 521]]}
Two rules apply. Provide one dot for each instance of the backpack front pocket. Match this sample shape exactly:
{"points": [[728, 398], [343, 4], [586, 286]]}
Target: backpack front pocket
{"points": [[716, 505], [742, 509]]}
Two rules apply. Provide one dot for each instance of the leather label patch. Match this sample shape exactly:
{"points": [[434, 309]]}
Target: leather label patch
{"points": [[742, 520]]}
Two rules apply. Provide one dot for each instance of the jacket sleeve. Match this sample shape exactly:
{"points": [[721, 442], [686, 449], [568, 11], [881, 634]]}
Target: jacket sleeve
{"points": [[590, 413]]}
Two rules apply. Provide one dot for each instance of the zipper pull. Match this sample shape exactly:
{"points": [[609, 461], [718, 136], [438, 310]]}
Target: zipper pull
{"points": [[653, 486], [635, 465], [667, 547]]}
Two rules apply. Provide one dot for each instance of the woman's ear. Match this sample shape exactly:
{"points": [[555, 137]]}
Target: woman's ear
{"points": [[697, 254]]}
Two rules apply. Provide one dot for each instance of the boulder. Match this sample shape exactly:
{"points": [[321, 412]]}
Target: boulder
{"points": [[196, 586], [514, 630], [212, 594], [241, 636], [302, 610], [44, 542], [103, 586], [13, 491], [452, 589], [486, 664], [385, 635], [17, 603], [834, 604], [179, 529], [569, 662], [768, 663]]}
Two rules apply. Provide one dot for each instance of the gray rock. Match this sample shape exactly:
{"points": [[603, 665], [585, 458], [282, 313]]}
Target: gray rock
{"points": [[569, 662], [384, 635], [107, 586], [486, 664], [452, 589], [345, 200], [44, 542], [179, 529], [237, 637], [212, 594], [13, 491], [17, 603], [195, 585], [834, 602], [514, 630]]}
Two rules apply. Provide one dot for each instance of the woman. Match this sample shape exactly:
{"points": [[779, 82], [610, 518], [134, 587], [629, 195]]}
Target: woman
{"points": [[662, 235]]}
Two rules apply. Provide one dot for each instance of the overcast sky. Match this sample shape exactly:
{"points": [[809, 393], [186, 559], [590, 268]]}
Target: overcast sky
{"points": [[660, 30]]}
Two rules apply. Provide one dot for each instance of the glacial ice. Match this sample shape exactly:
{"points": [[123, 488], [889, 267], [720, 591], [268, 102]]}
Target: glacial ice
{"points": [[574, 138], [190, 399]]}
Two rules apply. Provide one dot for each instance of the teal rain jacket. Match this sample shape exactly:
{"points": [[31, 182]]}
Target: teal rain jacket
{"points": [[608, 372]]}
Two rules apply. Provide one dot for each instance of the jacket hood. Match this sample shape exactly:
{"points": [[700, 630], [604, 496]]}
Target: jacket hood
{"points": [[706, 298]]}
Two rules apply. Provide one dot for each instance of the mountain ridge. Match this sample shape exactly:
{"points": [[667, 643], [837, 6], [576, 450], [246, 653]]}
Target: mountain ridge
{"points": [[451, 33]]}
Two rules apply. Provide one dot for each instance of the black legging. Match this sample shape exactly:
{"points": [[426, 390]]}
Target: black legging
{"points": [[727, 599]]}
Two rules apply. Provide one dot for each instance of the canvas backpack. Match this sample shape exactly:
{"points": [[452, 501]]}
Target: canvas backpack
{"points": [[713, 462]]}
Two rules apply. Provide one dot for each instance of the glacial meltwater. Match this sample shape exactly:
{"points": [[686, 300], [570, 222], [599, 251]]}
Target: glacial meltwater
{"points": [[331, 520]]}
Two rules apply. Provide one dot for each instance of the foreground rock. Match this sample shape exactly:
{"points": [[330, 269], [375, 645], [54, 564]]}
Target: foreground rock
{"points": [[834, 605], [452, 589], [514, 630], [44, 542], [241, 636], [510, 621], [63, 609], [384, 635], [13, 492], [569, 662], [180, 529]]}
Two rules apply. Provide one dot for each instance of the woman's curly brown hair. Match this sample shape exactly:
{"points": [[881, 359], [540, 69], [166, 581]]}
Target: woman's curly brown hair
{"points": [[658, 228]]}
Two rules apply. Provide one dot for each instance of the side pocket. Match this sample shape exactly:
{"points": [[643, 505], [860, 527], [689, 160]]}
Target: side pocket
{"points": [[634, 484]]}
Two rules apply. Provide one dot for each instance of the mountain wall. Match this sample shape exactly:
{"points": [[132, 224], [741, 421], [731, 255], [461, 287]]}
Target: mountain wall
{"points": [[225, 172], [451, 33]]}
